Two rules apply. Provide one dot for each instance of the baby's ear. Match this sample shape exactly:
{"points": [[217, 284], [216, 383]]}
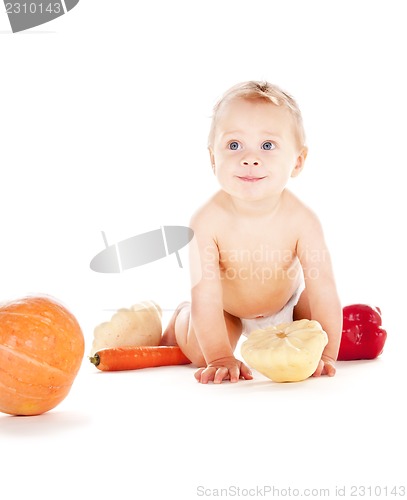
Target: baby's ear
{"points": [[212, 157], [299, 164]]}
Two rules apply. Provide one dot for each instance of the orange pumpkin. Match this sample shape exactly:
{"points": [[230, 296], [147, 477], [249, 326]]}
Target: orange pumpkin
{"points": [[41, 351]]}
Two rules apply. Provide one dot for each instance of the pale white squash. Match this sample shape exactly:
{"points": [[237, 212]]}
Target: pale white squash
{"points": [[288, 352], [139, 325]]}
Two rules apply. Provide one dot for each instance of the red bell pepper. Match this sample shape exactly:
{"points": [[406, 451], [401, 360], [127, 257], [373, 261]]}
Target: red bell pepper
{"points": [[363, 337]]}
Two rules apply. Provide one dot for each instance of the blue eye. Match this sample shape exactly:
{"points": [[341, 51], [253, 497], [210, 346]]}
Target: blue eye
{"points": [[234, 145], [268, 145]]}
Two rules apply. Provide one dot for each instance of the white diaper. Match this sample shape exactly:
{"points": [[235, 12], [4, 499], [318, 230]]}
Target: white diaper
{"points": [[285, 315]]}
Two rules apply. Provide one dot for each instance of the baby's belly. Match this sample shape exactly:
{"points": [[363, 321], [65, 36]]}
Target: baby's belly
{"points": [[258, 293]]}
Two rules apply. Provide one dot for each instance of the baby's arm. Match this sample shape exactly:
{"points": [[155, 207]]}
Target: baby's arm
{"points": [[321, 289], [207, 315]]}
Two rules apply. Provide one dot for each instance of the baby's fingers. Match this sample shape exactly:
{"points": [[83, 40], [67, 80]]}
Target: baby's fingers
{"points": [[320, 367], [325, 367], [198, 374], [212, 374], [222, 374], [216, 374], [245, 372], [205, 375], [329, 370], [230, 371]]}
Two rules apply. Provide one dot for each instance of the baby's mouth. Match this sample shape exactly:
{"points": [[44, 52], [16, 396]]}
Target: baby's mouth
{"points": [[249, 178]]}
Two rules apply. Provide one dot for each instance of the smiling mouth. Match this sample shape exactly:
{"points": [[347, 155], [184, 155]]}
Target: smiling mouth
{"points": [[250, 179]]}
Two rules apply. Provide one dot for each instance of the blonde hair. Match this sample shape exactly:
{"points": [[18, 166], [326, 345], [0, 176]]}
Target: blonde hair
{"points": [[264, 91]]}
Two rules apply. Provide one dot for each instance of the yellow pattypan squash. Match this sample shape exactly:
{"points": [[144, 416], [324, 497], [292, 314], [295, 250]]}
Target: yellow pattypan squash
{"points": [[288, 352], [139, 325]]}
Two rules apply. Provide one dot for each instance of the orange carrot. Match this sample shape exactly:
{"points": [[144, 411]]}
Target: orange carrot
{"points": [[134, 358]]}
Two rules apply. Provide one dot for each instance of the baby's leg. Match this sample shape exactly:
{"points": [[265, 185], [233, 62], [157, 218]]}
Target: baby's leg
{"points": [[180, 332], [168, 337]]}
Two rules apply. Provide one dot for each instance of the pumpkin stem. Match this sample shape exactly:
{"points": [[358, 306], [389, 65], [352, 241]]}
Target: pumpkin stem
{"points": [[95, 359]]}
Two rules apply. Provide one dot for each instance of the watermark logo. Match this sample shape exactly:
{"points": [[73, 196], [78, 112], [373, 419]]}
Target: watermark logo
{"points": [[142, 249], [26, 15]]}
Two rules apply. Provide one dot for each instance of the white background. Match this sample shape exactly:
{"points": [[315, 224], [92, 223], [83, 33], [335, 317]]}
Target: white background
{"points": [[104, 119]]}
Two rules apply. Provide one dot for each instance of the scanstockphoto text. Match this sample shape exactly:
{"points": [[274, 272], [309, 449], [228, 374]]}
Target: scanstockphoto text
{"points": [[261, 264], [271, 491]]}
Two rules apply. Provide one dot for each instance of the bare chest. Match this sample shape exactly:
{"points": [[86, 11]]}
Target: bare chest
{"points": [[248, 256], [258, 275]]}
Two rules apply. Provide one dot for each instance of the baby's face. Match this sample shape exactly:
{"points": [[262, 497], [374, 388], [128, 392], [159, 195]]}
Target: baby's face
{"points": [[255, 149]]}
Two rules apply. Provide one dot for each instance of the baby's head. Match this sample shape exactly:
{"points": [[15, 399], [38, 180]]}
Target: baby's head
{"points": [[260, 91]]}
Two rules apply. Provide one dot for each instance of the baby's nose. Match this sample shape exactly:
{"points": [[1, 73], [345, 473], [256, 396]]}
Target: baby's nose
{"points": [[249, 162]]}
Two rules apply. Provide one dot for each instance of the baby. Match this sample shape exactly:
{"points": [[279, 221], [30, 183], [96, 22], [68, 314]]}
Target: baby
{"points": [[261, 251]]}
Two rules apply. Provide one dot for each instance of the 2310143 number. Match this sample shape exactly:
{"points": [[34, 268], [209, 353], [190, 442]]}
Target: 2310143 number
{"points": [[33, 8], [377, 491]]}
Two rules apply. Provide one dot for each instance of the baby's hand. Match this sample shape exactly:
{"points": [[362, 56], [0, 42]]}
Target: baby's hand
{"points": [[326, 366], [228, 368]]}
